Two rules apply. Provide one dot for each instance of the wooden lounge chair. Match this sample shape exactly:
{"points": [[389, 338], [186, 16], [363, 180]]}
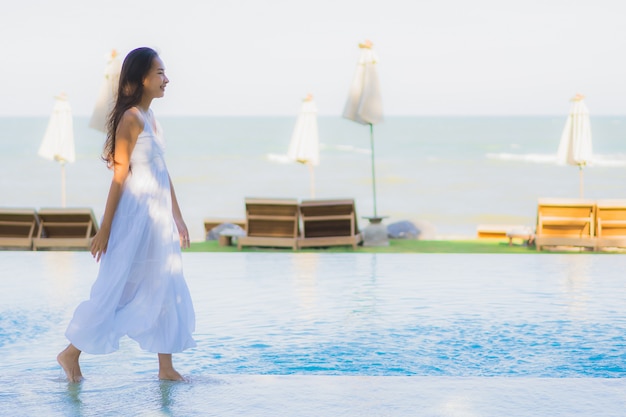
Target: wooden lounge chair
{"points": [[328, 223], [63, 229], [17, 228], [565, 222], [505, 231], [610, 224], [270, 222], [497, 231]]}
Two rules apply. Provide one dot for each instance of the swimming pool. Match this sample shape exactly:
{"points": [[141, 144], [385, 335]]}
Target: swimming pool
{"points": [[268, 319]]}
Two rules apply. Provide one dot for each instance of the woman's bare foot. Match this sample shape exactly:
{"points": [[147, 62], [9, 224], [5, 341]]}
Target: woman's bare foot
{"points": [[68, 359], [170, 375], [166, 369]]}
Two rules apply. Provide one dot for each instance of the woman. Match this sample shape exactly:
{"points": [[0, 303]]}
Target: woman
{"points": [[140, 290]]}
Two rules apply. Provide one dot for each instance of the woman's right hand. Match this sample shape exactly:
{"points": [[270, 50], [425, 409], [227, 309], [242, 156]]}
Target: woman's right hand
{"points": [[99, 244]]}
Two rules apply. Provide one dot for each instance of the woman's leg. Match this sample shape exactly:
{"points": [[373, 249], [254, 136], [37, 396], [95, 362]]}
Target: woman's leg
{"points": [[166, 368], [68, 359]]}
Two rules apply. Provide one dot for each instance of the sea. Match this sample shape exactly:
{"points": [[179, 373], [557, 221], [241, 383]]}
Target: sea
{"points": [[446, 174]]}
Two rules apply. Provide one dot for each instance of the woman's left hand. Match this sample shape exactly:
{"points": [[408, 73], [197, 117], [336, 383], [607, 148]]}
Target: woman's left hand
{"points": [[183, 233]]}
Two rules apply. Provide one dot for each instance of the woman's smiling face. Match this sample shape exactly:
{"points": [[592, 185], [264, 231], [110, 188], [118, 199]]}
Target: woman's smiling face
{"points": [[156, 80]]}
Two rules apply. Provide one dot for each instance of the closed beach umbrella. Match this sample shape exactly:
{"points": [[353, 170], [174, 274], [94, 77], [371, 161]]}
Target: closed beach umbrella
{"points": [[107, 94], [364, 104], [58, 141], [575, 146], [304, 146]]}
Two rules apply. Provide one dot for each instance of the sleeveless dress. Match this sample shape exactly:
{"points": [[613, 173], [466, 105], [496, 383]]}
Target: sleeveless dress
{"points": [[140, 290]]}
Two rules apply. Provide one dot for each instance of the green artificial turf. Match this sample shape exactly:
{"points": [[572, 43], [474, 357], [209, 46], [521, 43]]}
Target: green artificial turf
{"points": [[395, 246]]}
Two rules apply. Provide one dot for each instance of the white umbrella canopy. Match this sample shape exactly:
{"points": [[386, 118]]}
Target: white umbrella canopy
{"points": [[107, 94], [58, 141], [304, 145], [575, 147], [364, 104]]}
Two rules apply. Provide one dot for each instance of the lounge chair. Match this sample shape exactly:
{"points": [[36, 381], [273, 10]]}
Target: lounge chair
{"points": [[610, 224], [270, 222], [63, 229], [328, 223], [565, 222], [505, 231], [498, 231], [17, 228]]}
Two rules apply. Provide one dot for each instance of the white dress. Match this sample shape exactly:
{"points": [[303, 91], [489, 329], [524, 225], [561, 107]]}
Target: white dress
{"points": [[140, 290]]}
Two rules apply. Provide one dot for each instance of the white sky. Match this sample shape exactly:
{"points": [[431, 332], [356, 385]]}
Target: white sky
{"points": [[261, 57]]}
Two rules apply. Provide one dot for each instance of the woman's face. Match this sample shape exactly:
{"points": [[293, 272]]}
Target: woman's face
{"points": [[156, 80]]}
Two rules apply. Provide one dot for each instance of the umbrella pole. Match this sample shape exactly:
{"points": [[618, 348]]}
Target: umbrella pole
{"points": [[312, 176], [580, 173], [63, 184], [373, 169]]}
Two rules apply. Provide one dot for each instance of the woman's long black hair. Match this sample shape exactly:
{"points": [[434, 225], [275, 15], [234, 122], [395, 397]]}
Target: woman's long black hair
{"points": [[135, 68]]}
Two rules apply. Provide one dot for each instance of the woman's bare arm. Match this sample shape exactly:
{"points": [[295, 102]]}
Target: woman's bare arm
{"points": [[183, 233], [128, 131]]}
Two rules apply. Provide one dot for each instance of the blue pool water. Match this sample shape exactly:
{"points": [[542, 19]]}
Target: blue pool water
{"points": [[269, 320], [445, 315]]}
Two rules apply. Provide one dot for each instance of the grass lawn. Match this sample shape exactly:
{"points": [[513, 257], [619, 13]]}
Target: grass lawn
{"points": [[397, 246]]}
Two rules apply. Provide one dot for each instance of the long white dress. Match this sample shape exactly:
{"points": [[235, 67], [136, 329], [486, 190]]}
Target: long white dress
{"points": [[140, 290]]}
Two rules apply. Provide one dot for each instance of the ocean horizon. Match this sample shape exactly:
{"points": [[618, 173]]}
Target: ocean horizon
{"points": [[448, 174]]}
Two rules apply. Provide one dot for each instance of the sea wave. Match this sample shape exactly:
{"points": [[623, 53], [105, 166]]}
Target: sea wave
{"points": [[284, 159], [345, 148], [617, 160], [279, 158], [531, 157]]}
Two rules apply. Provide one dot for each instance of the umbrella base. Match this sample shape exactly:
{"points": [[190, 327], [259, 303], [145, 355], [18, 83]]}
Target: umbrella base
{"points": [[375, 234]]}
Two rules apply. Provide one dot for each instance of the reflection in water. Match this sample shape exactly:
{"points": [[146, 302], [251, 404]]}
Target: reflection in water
{"points": [[74, 402], [305, 272], [61, 268], [577, 274], [364, 295], [166, 389]]}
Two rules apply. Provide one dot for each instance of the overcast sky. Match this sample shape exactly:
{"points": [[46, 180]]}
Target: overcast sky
{"points": [[261, 57]]}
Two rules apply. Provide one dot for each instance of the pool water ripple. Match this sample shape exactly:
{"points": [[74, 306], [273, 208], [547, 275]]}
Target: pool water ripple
{"points": [[354, 314]]}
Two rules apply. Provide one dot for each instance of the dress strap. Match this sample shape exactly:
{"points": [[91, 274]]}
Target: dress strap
{"points": [[148, 119]]}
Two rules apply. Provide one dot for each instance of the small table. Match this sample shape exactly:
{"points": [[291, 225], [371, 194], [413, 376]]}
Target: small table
{"points": [[526, 235], [226, 236]]}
